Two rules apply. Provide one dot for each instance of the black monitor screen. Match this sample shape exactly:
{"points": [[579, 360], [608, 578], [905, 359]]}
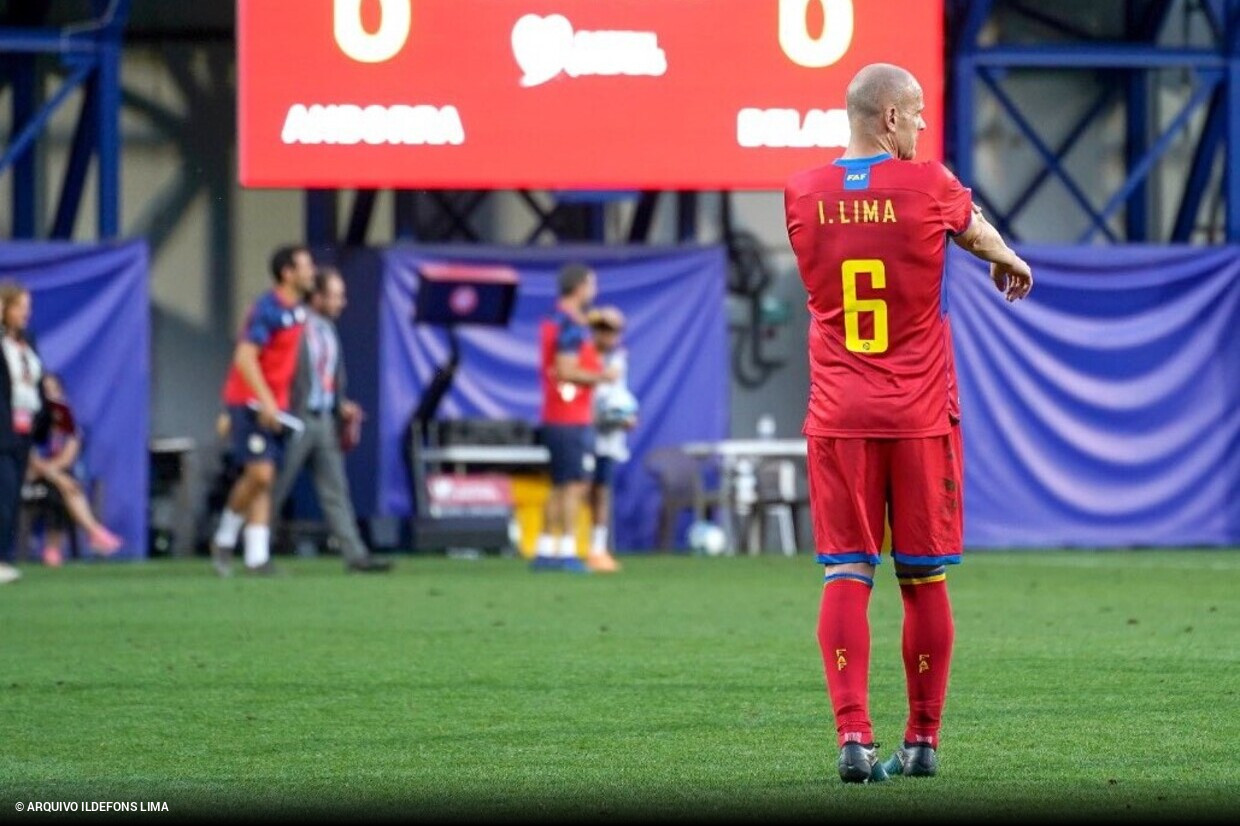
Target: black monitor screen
{"points": [[450, 294]]}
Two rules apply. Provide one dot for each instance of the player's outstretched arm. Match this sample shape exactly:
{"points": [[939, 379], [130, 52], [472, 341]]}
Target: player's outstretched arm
{"points": [[1012, 276]]}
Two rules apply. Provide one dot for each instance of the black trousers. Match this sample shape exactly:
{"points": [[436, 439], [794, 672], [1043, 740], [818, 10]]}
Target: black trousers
{"points": [[13, 463]]}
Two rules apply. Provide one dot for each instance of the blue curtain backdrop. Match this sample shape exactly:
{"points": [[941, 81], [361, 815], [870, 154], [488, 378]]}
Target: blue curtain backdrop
{"points": [[678, 356], [1104, 410], [91, 317]]}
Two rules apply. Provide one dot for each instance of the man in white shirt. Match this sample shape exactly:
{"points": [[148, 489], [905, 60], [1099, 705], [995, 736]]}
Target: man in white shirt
{"points": [[318, 399]]}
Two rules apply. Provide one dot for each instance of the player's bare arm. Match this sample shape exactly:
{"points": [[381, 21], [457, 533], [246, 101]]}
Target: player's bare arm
{"points": [[246, 359], [1010, 273], [568, 368]]}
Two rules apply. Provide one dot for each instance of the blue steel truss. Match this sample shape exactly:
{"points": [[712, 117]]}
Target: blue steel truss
{"points": [[89, 54], [1131, 63], [446, 215], [89, 57]]}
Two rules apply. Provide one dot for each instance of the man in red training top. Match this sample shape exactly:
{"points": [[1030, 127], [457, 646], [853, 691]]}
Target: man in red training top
{"points": [[570, 368], [256, 394], [870, 235]]}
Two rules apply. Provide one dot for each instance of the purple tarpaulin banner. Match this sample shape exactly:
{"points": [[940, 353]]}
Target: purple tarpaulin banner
{"points": [[91, 319], [1104, 410], [678, 356]]}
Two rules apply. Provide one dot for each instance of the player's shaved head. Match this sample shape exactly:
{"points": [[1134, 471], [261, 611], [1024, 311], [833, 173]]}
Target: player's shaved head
{"points": [[876, 87], [884, 111]]}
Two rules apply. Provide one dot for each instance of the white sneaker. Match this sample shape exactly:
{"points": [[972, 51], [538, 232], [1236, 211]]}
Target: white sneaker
{"points": [[9, 574]]}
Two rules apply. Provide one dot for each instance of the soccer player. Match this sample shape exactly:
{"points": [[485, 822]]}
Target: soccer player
{"points": [[570, 369], [256, 394], [883, 424]]}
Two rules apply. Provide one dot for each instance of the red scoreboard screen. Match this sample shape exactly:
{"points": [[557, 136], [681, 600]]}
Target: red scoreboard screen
{"points": [[563, 94]]}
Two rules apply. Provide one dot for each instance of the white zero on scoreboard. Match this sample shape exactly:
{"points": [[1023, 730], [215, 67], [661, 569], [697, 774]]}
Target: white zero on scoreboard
{"points": [[372, 47], [815, 52]]}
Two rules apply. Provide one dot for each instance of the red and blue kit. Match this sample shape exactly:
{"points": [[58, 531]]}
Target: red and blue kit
{"points": [[568, 407], [276, 327], [566, 402], [870, 237]]}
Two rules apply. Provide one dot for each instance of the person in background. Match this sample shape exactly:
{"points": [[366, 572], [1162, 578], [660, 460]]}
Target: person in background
{"points": [[256, 393], [23, 418], [615, 414], [318, 399], [570, 370], [58, 462]]}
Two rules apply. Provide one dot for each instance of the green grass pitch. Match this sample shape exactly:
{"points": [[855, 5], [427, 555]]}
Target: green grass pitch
{"points": [[1101, 685]]}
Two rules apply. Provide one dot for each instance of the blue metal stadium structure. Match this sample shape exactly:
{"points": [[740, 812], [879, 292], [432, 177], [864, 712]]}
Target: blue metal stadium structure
{"points": [[90, 56], [1133, 62]]}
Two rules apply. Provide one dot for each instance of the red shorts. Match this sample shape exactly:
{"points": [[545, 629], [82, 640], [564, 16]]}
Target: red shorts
{"points": [[855, 485]]}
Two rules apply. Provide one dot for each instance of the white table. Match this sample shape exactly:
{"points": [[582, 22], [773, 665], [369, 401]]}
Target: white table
{"points": [[733, 449], [168, 501], [731, 452], [461, 455]]}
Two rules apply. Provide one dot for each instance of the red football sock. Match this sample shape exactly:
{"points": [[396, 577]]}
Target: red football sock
{"points": [[928, 635], [844, 637]]}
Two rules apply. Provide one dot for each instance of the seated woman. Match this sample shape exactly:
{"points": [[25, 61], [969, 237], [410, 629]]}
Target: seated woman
{"points": [[57, 462]]}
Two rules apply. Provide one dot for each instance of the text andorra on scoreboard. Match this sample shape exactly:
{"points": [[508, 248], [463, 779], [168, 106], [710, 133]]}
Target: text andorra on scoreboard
{"points": [[563, 94]]}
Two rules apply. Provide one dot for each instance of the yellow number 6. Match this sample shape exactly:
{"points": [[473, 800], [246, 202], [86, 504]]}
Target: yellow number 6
{"points": [[852, 306]]}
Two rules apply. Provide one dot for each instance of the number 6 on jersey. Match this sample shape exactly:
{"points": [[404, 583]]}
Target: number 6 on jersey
{"points": [[853, 306]]}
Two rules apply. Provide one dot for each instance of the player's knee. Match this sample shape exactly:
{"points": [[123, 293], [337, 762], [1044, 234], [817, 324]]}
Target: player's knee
{"points": [[920, 575], [262, 474], [849, 572]]}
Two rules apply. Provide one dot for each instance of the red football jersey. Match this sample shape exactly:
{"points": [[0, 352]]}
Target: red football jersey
{"points": [[870, 237], [276, 328], [566, 402]]}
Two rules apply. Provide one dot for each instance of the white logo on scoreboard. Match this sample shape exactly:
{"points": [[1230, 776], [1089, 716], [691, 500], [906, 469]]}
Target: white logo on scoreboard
{"points": [[350, 124], [546, 46], [784, 128]]}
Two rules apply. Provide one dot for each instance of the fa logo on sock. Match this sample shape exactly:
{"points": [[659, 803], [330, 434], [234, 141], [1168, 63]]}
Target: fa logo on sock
{"points": [[923, 663], [840, 662]]}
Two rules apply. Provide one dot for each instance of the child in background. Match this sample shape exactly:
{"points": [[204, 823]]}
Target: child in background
{"points": [[58, 463], [615, 414]]}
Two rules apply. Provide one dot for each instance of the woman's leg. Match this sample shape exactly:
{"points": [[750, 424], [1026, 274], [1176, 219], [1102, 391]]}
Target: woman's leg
{"points": [[100, 538]]}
